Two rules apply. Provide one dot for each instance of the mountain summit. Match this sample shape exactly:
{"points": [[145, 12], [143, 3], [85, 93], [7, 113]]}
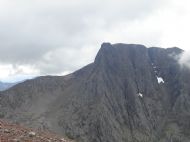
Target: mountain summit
{"points": [[129, 94]]}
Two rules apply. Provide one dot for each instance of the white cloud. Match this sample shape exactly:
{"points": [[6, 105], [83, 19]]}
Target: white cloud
{"points": [[185, 60], [10, 73], [53, 37]]}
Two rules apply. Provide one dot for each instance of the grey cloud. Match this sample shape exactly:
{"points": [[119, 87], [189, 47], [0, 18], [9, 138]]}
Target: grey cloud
{"points": [[62, 35]]}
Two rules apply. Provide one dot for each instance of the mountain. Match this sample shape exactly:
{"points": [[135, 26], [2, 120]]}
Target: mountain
{"points": [[130, 93], [5, 86]]}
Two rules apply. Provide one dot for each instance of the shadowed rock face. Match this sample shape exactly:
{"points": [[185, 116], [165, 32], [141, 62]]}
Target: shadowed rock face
{"points": [[119, 98]]}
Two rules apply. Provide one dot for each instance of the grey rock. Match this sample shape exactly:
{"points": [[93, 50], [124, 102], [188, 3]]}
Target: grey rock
{"points": [[6, 131], [16, 140], [31, 134]]}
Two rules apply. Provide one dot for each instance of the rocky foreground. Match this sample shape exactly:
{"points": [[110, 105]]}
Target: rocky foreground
{"points": [[16, 133]]}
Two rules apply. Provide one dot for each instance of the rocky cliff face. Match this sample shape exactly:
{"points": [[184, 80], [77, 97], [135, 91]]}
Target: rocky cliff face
{"points": [[129, 94]]}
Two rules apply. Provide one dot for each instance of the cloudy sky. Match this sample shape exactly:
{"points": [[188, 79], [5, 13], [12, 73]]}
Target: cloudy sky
{"points": [[40, 37]]}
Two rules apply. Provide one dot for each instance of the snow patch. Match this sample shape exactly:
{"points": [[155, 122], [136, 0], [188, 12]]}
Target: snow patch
{"points": [[160, 80], [140, 95]]}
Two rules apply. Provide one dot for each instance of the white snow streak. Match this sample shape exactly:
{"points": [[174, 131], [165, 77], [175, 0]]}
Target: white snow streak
{"points": [[160, 80], [140, 95]]}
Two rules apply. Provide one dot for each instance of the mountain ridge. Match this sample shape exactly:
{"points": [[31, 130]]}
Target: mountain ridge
{"points": [[116, 98]]}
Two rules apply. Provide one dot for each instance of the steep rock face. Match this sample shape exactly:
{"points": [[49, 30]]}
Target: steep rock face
{"points": [[129, 94]]}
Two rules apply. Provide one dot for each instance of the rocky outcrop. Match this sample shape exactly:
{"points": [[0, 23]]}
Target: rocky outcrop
{"points": [[129, 94]]}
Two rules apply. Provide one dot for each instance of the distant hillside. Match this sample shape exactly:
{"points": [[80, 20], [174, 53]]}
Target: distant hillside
{"points": [[5, 86]]}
